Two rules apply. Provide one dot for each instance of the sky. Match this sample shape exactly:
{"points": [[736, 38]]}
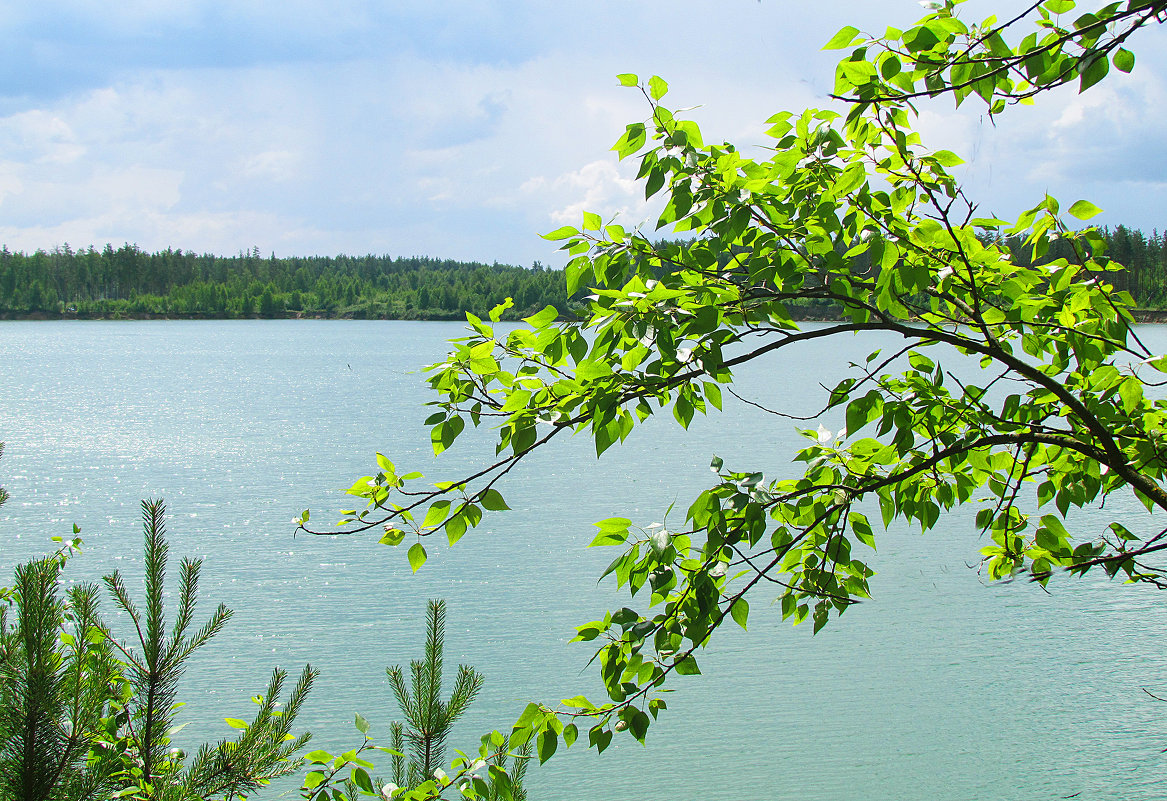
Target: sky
{"points": [[465, 128]]}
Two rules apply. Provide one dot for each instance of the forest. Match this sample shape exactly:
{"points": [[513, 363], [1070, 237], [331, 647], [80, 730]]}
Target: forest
{"points": [[129, 282]]}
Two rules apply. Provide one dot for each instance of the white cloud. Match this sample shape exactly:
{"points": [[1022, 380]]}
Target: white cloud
{"points": [[277, 165], [39, 136], [467, 140], [599, 186]]}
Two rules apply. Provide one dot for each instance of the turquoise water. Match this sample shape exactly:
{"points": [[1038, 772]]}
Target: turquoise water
{"points": [[940, 687]]}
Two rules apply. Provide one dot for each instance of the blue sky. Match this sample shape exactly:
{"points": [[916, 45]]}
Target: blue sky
{"points": [[462, 129]]}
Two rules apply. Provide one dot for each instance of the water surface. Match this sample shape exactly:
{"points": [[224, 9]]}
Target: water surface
{"points": [[940, 687]]}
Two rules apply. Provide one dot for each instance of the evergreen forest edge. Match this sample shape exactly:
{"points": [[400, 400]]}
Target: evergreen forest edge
{"points": [[128, 283]]}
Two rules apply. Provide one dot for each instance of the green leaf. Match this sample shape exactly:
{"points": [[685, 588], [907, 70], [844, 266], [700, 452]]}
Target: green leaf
{"points": [[548, 742], [657, 87], [850, 179], [740, 611], [593, 370], [592, 221], [633, 139], [455, 528], [1131, 392], [842, 39], [416, 556], [436, 514], [493, 501], [599, 737], [361, 487], [361, 724], [561, 233], [638, 723], [947, 158], [1124, 60], [497, 311], [1084, 210], [687, 667], [890, 67], [392, 536], [610, 536], [1094, 72], [862, 529], [628, 79], [362, 780], [713, 394], [442, 435], [544, 318], [236, 723]]}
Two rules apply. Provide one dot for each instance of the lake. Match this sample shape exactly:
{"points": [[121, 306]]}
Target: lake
{"points": [[940, 687]]}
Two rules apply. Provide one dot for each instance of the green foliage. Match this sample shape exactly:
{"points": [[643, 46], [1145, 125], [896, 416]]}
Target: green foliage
{"points": [[428, 718], [1051, 43], [851, 211], [496, 774], [130, 282], [56, 677], [85, 716], [418, 745]]}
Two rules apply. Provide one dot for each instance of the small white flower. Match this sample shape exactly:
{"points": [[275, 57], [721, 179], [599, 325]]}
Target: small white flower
{"points": [[718, 570], [479, 764], [944, 272], [660, 539], [842, 433], [684, 354], [441, 776], [931, 5], [824, 435], [388, 790]]}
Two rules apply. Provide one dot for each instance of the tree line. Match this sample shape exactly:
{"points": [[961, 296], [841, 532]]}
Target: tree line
{"points": [[129, 282]]}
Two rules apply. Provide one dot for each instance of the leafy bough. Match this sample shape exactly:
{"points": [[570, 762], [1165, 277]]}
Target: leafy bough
{"points": [[853, 213]]}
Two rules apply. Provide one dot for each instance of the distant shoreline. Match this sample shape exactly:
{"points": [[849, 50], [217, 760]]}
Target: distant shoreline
{"points": [[1149, 316], [49, 316]]}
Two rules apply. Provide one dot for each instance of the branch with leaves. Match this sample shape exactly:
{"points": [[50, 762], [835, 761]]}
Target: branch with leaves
{"points": [[943, 55], [852, 211]]}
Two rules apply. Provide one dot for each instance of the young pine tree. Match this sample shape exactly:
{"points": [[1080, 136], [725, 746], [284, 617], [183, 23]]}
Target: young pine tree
{"points": [[428, 719], [85, 717], [56, 677], [154, 663]]}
